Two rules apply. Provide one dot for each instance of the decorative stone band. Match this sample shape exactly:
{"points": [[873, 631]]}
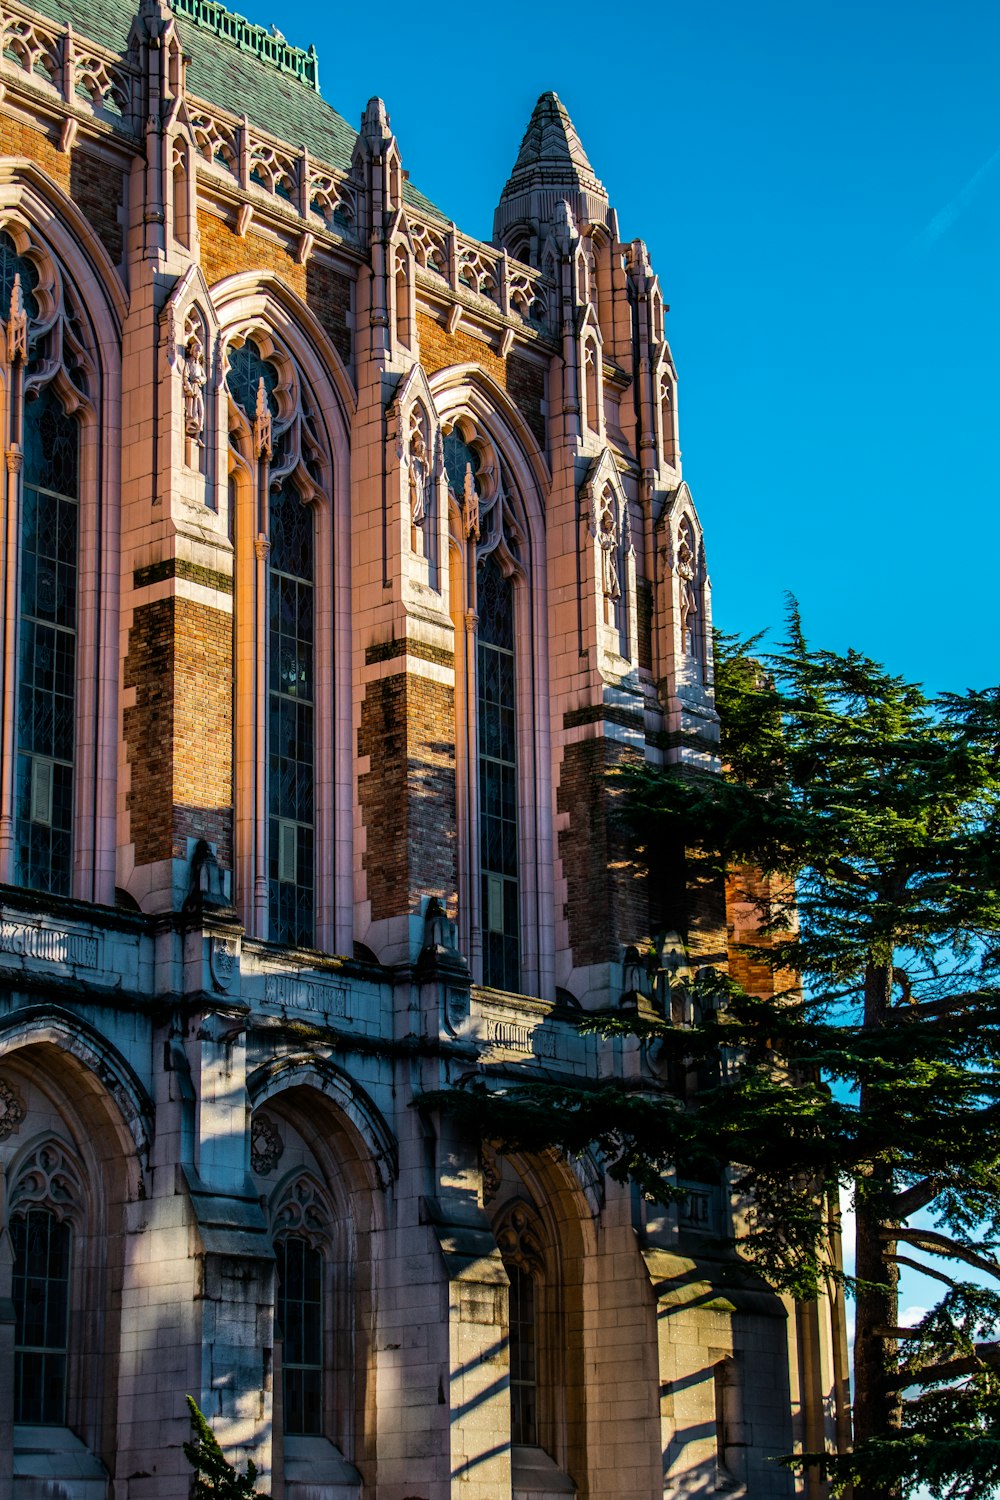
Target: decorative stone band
{"points": [[49, 945], [291, 992]]}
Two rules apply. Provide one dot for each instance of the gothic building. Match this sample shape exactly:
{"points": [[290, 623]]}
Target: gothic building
{"points": [[342, 556]]}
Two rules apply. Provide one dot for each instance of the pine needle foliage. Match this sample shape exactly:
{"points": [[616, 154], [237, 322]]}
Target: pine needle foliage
{"points": [[214, 1477], [875, 812]]}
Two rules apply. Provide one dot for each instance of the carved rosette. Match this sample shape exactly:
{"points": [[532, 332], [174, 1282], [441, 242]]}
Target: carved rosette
{"points": [[12, 1110], [266, 1146]]}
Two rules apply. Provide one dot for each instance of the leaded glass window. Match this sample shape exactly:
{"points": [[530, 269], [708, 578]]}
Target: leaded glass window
{"points": [[291, 698], [300, 1317], [247, 368], [497, 732], [46, 696], [41, 1245], [523, 1357]]}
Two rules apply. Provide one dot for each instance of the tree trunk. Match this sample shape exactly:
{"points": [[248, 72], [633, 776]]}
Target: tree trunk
{"points": [[877, 1404]]}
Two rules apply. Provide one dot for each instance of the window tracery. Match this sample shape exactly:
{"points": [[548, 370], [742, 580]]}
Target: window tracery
{"points": [[45, 1203], [279, 461], [302, 1226]]}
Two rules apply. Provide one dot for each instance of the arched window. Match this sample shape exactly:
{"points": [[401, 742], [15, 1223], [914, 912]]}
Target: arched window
{"points": [[520, 1237], [41, 1245], [47, 657], [497, 739], [45, 1195], [592, 387], [303, 1229], [492, 590], [48, 376], [523, 1357], [290, 740], [300, 1314], [402, 289], [277, 468]]}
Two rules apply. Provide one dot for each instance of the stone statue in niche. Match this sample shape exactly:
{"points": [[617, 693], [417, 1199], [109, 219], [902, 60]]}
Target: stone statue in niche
{"points": [[419, 474], [607, 535], [193, 381], [688, 592]]}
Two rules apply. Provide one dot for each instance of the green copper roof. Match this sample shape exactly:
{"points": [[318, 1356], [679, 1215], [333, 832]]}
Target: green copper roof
{"points": [[236, 78]]}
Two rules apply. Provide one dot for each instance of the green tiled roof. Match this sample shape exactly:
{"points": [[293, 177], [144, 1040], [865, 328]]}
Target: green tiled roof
{"points": [[234, 79]]}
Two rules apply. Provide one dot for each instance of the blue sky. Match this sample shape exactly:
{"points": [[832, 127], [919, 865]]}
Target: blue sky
{"points": [[819, 187]]}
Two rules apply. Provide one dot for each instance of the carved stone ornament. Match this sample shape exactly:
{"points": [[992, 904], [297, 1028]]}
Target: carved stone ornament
{"points": [[456, 1009], [607, 536], [418, 460], [11, 1110], [223, 961], [470, 506], [17, 325], [262, 424], [266, 1146], [492, 1172], [193, 382]]}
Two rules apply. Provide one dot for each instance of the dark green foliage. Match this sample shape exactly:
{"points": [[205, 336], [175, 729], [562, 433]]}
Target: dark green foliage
{"points": [[213, 1474], [876, 813]]}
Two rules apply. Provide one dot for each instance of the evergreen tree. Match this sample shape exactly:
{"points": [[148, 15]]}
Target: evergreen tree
{"points": [[872, 814], [214, 1476]]}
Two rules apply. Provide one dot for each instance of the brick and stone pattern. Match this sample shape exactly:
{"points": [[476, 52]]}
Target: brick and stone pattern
{"points": [[407, 796]]}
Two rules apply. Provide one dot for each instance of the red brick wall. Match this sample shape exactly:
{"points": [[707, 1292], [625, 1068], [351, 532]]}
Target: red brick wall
{"points": [[325, 291], [149, 727], [203, 728], [606, 887], [745, 888], [408, 795], [98, 190], [523, 381], [97, 187], [178, 733]]}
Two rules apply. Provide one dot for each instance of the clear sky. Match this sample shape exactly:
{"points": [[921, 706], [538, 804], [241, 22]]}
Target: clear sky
{"points": [[819, 187]]}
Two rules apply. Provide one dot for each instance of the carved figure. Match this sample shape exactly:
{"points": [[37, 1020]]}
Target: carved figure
{"points": [[607, 535], [193, 381]]}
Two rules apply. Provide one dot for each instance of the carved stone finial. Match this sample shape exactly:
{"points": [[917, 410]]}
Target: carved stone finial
{"points": [[470, 506], [17, 325], [262, 423]]}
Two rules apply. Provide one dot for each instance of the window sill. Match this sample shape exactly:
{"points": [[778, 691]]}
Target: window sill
{"points": [[536, 1476], [43, 1455], [314, 1463]]}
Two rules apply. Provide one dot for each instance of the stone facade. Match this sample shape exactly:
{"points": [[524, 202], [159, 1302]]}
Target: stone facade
{"points": [[343, 558]]}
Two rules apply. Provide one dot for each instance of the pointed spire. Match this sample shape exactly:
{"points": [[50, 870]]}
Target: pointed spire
{"points": [[551, 165], [552, 152]]}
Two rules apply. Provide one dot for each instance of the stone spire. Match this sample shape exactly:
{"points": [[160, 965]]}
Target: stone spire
{"points": [[551, 165]]}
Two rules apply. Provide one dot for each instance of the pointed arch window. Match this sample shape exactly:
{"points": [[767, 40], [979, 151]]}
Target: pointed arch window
{"points": [[47, 638], [41, 1245], [44, 1198], [303, 1227], [278, 469], [49, 376], [493, 546], [497, 737]]}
